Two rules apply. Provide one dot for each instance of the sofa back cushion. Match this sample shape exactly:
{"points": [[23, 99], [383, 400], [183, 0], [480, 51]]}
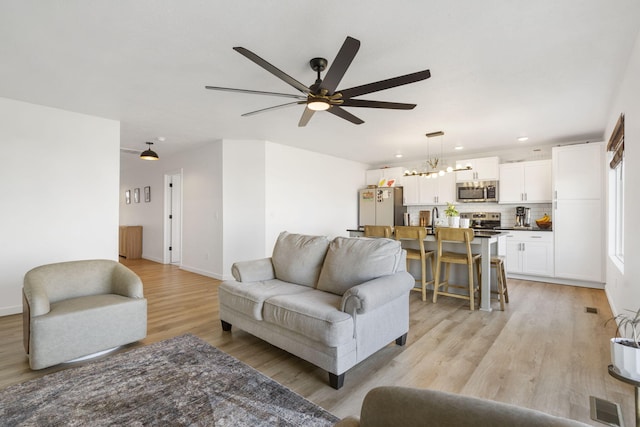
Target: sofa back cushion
{"points": [[352, 261], [298, 258]]}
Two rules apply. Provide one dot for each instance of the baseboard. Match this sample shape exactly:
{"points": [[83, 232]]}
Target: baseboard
{"points": [[8, 311], [201, 272], [557, 281]]}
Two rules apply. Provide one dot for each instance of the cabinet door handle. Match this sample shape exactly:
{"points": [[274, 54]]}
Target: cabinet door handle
{"points": [[525, 196], [536, 237], [523, 247]]}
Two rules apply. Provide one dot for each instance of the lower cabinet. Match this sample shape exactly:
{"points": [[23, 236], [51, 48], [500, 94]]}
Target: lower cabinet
{"points": [[130, 241], [530, 252]]}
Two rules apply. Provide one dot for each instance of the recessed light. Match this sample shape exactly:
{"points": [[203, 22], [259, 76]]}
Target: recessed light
{"points": [[398, 156], [523, 138], [458, 147]]}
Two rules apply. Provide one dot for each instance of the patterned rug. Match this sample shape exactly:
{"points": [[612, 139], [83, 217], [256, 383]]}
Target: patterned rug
{"points": [[181, 381]]}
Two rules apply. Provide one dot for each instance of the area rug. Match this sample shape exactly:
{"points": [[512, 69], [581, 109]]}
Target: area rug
{"points": [[180, 381]]}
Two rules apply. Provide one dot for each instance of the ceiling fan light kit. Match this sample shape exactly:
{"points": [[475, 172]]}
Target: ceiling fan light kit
{"points": [[323, 94]]}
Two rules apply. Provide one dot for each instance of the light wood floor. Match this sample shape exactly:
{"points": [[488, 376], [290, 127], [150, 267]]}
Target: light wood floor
{"points": [[543, 352]]}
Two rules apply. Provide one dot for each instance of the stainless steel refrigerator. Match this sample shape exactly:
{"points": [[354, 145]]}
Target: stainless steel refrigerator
{"points": [[380, 206]]}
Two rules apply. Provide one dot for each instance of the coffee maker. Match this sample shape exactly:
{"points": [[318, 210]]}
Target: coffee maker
{"points": [[523, 216]]}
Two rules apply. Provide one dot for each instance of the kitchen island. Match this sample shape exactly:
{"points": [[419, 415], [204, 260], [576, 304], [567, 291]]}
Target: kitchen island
{"points": [[485, 242]]}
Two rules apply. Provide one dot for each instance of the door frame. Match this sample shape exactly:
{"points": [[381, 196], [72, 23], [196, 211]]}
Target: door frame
{"points": [[167, 210]]}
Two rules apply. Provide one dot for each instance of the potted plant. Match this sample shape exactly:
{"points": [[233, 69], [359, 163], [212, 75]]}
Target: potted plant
{"points": [[625, 351], [454, 216]]}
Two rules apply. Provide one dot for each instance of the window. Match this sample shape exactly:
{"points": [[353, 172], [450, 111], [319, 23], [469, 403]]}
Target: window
{"points": [[616, 176]]}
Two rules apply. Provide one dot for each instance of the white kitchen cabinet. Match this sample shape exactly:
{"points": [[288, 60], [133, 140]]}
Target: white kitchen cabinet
{"points": [[410, 190], [578, 216], [530, 253], [525, 182], [483, 169], [375, 176], [418, 190]]}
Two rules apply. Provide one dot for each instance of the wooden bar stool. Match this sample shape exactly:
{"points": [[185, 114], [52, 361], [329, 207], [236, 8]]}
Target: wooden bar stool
{"points": [[498, 262], [461, 236], [378, 231], [418, 234]]}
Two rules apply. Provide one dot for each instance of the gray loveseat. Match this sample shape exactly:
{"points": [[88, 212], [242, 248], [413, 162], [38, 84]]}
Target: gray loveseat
{"points": [[77, 308], [330, 303]]}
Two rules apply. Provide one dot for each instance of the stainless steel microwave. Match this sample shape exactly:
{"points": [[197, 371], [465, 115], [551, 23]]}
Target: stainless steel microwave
{"points": [[477, 191]]}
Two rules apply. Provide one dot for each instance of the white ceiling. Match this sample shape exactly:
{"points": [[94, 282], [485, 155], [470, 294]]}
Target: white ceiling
{"points": [[500, 68]]}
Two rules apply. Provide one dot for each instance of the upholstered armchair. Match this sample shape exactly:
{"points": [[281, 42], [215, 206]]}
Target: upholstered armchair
{"points": [[77, 308]]}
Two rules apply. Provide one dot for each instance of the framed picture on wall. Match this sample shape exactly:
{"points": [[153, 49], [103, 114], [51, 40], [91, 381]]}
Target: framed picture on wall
{"points": [[136, 195], [127, 197], [147, 194]]}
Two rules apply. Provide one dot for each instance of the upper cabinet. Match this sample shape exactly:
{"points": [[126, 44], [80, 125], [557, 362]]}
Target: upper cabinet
{"points": [[419, 190], [526, 182], [483, 169], [379, 177], [577, 171]]}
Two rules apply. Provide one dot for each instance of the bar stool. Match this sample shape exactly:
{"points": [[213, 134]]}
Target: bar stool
{"points": [[457, 236], [378, 231], [498, 263], [418, 234]]}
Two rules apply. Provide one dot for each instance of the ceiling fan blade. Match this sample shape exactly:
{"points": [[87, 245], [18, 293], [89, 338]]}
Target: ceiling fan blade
{"points": [[276, 107], [385, 84], [377, 104], [340, 64], [344, 114], [272, 69], [306, 116], [255, 92]]}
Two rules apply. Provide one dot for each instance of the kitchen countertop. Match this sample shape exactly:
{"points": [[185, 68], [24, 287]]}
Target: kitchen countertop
{"points": [[485, 234], [523, 229]]}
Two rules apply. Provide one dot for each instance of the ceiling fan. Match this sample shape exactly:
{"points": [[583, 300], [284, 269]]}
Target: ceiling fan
{"points": [[322, 95]]}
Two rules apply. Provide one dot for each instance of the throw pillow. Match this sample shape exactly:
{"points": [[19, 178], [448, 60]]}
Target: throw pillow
{"points": [[298, 258], [352, 261]]}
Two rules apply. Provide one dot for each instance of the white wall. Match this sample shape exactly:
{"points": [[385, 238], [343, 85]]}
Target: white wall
{"points": [[623, 287], [59, 190], [310, 193]]}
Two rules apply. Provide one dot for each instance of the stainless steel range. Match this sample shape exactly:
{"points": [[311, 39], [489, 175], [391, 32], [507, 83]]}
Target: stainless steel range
{"points": [[483, 220]]}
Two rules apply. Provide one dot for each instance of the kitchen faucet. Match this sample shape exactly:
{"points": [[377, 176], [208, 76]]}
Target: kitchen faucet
{"points": [[434, 214]]}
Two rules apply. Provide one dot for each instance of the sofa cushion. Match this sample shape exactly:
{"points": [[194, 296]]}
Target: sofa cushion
{"points": [[352, 261], [314, 314], [248, 298], [298, 258]]}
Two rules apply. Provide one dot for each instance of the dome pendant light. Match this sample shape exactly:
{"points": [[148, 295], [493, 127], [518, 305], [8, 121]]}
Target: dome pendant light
{"points": [[149, 154]]}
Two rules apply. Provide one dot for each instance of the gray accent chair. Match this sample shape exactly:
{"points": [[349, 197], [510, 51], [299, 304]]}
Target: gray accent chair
{"points": [[78, 308], [410, 407], [331, 303]]}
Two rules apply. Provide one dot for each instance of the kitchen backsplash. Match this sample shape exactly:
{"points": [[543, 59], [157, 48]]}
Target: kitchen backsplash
{"points": [[508, 218]]}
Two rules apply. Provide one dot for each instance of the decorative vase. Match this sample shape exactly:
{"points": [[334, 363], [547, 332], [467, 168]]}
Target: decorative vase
{"points": [[625, 358], [454, 221]]}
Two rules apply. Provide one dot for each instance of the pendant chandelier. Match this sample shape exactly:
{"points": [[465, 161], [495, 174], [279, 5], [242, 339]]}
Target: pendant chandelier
{"points": [[434, 166]]}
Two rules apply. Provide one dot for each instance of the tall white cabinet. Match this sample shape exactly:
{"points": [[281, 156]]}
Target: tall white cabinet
{"points": [[578, 217]]}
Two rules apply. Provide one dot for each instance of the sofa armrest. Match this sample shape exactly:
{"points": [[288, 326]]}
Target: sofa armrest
{"points": [[374, 293], [253, 271], [126, 283]]}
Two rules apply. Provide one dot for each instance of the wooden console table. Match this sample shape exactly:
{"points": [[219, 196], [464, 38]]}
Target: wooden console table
{"points": [[130, 241]]}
